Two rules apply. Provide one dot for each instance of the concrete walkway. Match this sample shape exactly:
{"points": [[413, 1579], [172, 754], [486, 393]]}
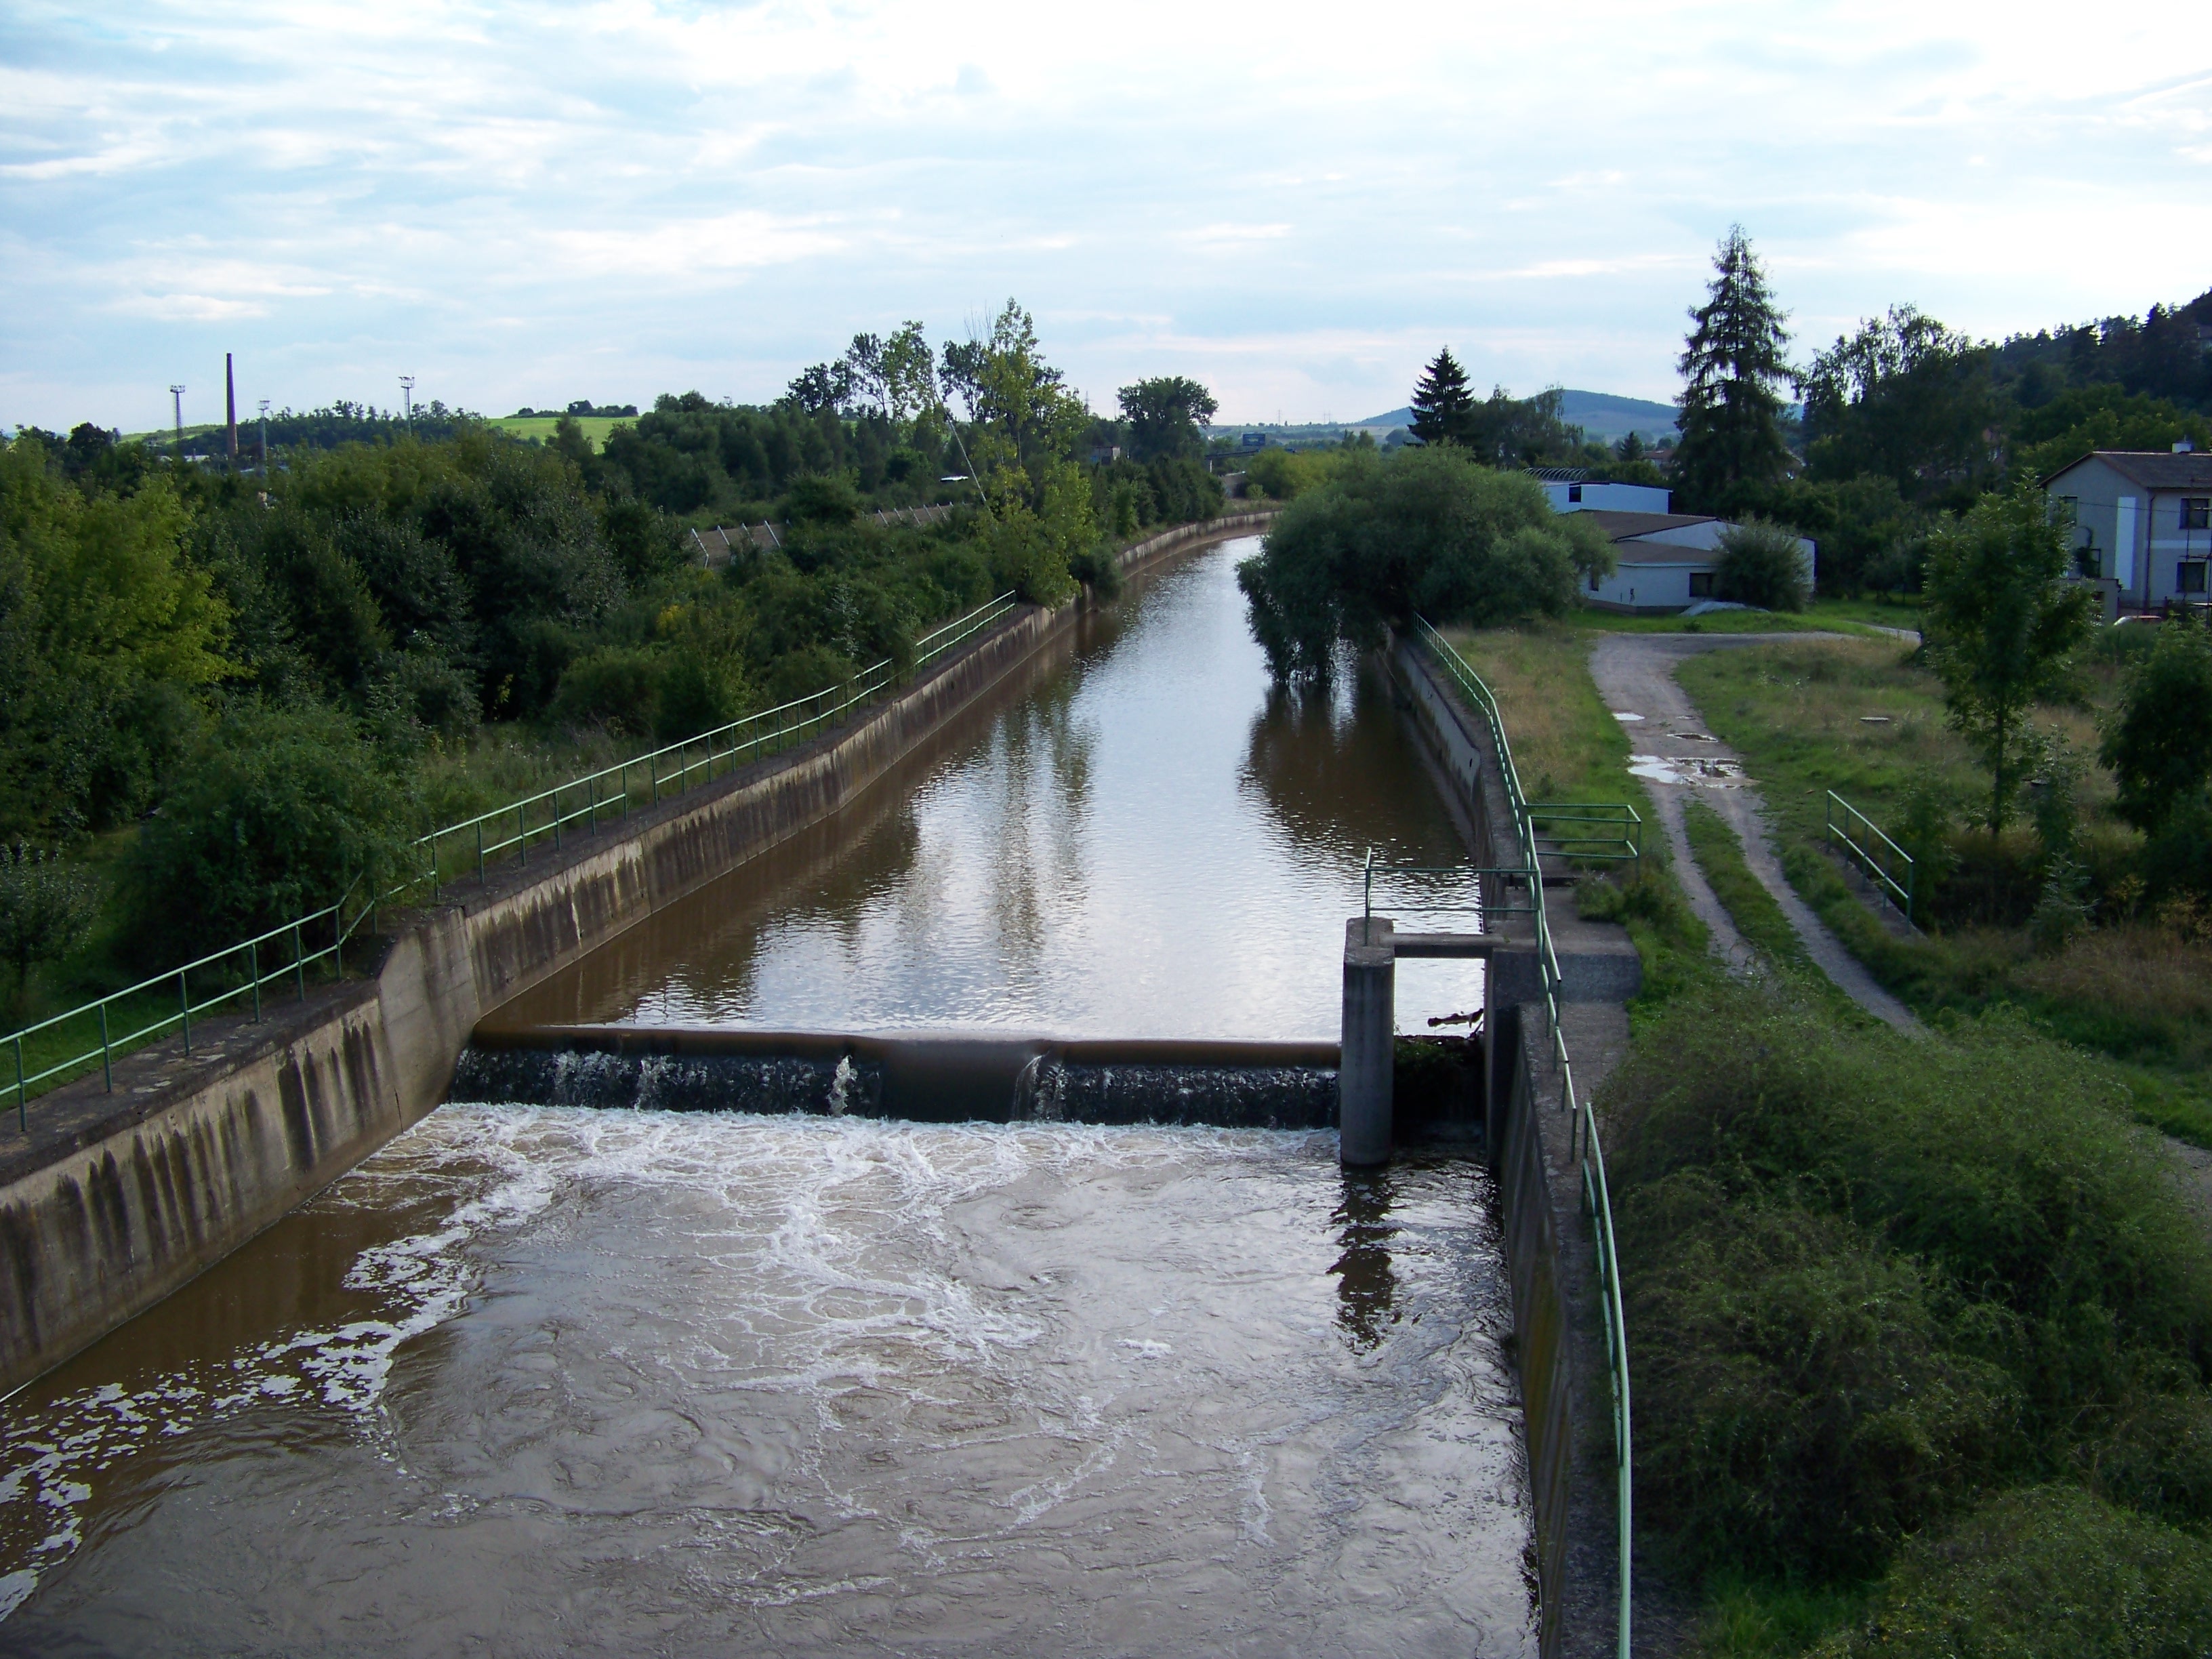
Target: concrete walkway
{"points": [[1675, 755]]}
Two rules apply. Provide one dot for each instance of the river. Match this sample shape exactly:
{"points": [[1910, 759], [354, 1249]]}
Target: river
{"points": [[535, 1378]]}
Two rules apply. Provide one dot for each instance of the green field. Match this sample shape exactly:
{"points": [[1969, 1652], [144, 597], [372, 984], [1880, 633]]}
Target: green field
{"points": [[540, 427]]}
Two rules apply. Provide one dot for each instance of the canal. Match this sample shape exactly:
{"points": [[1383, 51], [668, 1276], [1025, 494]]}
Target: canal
{"points": [[538, 1377]]}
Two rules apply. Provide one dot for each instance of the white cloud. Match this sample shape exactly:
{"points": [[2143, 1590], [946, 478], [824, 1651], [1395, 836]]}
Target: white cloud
{"points": [[658, 193]]}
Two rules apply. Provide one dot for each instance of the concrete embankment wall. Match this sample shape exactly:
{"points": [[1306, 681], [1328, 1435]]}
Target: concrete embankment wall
{"points": [[113, 1199], [1564, 1385]]}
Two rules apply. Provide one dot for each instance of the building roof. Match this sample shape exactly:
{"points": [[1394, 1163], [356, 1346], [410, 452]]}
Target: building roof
{"points": [[2153, 469], [1627, 526], [1561, 474]]}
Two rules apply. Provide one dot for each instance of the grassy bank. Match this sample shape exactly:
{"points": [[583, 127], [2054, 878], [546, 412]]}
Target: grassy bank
{"points": [[2137, 987]]}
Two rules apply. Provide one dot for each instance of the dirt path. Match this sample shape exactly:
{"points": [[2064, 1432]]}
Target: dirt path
{"points": [[1675, 755]]}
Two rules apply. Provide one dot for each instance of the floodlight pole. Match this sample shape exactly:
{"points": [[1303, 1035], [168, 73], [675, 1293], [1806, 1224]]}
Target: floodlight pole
{"points": [[176, 399], [407, 392], [264, 443]]}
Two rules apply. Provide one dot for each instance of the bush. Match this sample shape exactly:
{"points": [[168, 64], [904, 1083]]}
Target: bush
{"points": [[1841, 1247], [2048, 1574], [616, 687], [2158, 747], [1804, 1412], [46, 910], [823, 500], [283, 812], [1760, 564]]}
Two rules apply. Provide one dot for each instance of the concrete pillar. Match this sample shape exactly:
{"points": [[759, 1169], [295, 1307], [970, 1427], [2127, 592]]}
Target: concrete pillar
{"points": [[1364, 1071]]}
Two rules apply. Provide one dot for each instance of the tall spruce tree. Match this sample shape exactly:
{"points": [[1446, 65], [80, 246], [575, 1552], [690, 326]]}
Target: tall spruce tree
{"points": [[1732, 450], [1443, 407]]}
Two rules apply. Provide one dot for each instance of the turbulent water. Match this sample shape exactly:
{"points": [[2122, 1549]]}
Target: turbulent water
{"points": [[537, 1378], [540, 1378]]}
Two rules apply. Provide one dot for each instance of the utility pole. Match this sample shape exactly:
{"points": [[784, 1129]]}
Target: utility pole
{"points": [[264, 444], [230, 410], [177, 398], [407, 392]]}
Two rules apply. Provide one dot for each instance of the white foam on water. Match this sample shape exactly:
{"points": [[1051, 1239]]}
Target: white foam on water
{"points": [[706, 1267]]}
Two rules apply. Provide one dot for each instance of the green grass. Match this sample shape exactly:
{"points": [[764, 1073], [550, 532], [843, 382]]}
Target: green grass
{"points": [[1589, 620], [1566, 745], [540, 427]]}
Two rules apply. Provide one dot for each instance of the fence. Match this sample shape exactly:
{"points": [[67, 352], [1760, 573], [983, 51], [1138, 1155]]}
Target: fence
{"points": [[222, 966], [473, 846], [1875, 852], [719, 546], [1583, 1121]]}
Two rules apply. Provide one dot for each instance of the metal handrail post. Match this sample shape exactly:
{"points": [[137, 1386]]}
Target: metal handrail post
{"points": [[22, 1092], [106, 1052], [254, 969], [184, 1007], [299, 961]]}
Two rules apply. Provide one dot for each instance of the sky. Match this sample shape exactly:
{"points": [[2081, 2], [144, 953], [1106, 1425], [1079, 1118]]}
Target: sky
{"points": [[1296, 204]]}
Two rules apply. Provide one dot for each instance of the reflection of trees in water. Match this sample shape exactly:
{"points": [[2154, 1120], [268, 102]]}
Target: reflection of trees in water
{"points": [[1366, 1284], [1338, 770], [1043, 775]]}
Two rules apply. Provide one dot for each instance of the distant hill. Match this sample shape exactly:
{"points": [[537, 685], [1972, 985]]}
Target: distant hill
{"points": [[1599, 414]]}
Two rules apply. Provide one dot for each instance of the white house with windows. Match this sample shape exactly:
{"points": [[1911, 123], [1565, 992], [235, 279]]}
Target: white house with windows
{"points": [[2142, 523], [1667, 560]]}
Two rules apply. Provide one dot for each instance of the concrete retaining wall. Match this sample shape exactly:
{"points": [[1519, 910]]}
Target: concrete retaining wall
{"points": [[1547, 1252], [114, 1200]]}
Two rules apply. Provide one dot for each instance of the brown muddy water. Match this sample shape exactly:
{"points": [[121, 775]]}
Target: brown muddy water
{"points": [[539, 1379]]}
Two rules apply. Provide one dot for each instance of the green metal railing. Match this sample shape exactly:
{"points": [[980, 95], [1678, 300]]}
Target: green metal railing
{"points": [[1584, 832], [1882, 859], [472, 847], [284, 953], [1597, 1197]]}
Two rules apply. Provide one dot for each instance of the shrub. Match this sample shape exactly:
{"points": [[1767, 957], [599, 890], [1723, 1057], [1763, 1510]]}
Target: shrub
{"points": [[617, 687], [829, 500], [2158, 747], [2048, 1574], [46, 910], [282, 812], [1803, 1412], [1760, 564], [1796, 1202]]}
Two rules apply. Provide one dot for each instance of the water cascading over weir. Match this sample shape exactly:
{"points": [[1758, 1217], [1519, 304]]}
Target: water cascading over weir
{"points": [[934, 1229]]}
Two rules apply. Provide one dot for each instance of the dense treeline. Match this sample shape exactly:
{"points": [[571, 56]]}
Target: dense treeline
{"points": [[284, 677], [1905, 421]]}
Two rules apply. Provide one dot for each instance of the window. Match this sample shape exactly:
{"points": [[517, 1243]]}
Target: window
{"points": [[2087, 561], [2189, 577], [1593, 582], [2197, 513], [1701, 584], [1574, 492]]}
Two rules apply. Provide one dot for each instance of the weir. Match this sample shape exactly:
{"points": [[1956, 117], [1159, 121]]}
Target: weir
{"points": [[957, 1248]]}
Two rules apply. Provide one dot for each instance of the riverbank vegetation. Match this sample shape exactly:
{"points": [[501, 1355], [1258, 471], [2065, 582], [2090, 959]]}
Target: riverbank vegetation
{"points": [[1904, 1314], [225, 694], [1429, 532]]}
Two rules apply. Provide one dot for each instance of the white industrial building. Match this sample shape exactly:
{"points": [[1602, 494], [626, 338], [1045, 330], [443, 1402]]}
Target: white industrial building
{"points": [[1667, 560]]}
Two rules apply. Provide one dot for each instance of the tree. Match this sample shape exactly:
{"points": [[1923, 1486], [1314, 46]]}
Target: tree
{"points": [[1164, 415], [1429, 532], [2001, 624], [1761, 564], [1443, 405], [1732, 447], [1905, 399], [2159, 745]]}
